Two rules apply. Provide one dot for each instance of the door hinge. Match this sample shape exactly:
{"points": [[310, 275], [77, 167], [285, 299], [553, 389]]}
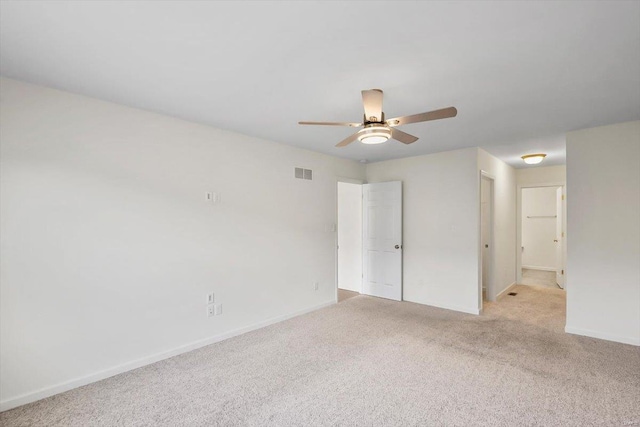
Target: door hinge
{"points": [[563, 197], [562, 271], [563, 234]]}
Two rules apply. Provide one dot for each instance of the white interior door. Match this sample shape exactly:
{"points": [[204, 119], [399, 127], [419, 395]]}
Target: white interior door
{"points": [[559, 240], [382, 240], [486, 231]]}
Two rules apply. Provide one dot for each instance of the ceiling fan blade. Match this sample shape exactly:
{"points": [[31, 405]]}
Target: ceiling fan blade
{"points": [[372, 101], [403, 137], [355, 125], [348, 140], [444, 113]]}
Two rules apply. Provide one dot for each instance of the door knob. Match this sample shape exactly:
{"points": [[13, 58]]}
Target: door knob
{"points": [[555, 240], [397, 246]]}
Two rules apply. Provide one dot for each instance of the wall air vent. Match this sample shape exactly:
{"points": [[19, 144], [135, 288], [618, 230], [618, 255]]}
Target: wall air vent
{"points": [[308, 174], [303, 173]]}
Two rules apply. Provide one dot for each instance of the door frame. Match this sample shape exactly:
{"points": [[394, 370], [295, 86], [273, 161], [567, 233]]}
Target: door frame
{"points": [[519, 226], [335, 234], [490, 285]]}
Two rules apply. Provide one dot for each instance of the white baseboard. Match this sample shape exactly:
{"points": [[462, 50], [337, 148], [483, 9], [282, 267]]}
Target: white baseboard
{"points": [[533, 267], [134, 364], [505, 290], [602, 335]]}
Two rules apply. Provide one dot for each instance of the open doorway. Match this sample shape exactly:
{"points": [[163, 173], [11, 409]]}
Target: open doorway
{"points": [[542, 219], [349, 281]]}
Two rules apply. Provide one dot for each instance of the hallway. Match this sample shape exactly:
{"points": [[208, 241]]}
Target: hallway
{"points": [[539, 278]]}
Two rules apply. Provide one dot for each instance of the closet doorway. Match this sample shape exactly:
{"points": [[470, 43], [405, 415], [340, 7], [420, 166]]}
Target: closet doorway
{"points": [[542, 236]]}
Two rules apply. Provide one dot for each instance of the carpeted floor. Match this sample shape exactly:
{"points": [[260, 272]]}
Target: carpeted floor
{"points": [[539, 278], [374, 362], [343, 294]]}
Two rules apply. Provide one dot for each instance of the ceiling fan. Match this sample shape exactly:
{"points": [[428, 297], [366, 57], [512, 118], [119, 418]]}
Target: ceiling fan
{"points": [[378, 130]]}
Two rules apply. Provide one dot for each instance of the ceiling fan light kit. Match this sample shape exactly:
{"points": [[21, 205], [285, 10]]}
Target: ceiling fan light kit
{"points": [[533, 159], [374, 134], [377, 130]]}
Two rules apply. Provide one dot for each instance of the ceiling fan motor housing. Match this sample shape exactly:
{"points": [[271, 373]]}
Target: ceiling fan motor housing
{"points": [[373, 120]]}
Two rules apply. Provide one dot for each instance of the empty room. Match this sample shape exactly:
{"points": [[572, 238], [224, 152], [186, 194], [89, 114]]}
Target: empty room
{"points": [[278, 213]]}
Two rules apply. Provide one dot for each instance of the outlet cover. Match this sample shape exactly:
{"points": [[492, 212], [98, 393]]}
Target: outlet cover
{"points": [[210, 311], [217, 309]]}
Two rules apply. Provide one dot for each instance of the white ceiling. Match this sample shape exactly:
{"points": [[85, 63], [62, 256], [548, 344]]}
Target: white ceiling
{"points": [[553, 146], [518, 72]]}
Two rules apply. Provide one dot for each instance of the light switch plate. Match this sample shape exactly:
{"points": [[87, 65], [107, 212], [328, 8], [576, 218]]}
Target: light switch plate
{"points": [[212, 197], [210, 298]]}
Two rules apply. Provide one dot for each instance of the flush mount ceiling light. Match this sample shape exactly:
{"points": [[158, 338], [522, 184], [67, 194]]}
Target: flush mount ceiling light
{"points": [[533, 159], [374, 134]]}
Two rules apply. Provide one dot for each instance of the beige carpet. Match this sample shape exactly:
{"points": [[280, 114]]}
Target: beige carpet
{"points": [[374, 362], [539, 278], [343, 294]]}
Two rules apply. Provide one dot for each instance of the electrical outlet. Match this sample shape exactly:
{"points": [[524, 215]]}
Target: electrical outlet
{"points": [[316, 286], [211, 310], [217, 309], [210, 298]]}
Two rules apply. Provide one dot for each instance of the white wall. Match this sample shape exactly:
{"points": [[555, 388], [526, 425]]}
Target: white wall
{"points": [[109, 248], [603, 266], [440, 226], [504, 216], [543, 175], [350, 236], [538, 234]]}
